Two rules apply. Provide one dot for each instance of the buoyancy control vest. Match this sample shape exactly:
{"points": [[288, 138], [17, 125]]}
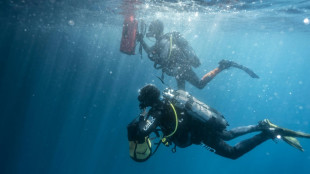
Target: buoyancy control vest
{"points": [[195, 108], [171, 50]]}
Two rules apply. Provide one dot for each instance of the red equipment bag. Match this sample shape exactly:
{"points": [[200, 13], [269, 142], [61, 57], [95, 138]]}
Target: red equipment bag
{"points": [[128, 42]]}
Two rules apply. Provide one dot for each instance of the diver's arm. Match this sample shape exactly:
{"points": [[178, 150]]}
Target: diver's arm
{"points": [[146, 48], [152, 122], [148, 126], [140, 128], [151, 51]]}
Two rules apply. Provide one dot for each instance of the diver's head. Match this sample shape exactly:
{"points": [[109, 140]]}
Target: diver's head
{"points": [[156, 29], [148, 96]]}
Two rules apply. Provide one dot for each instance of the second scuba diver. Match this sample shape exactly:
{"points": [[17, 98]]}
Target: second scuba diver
{"points": [[175, 57], [183, 120]]}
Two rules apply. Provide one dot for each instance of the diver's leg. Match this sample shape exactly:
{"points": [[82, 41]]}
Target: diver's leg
{"points": [[193, 79], [239, 131], [223, 64], [209, 76], [234, 152]]}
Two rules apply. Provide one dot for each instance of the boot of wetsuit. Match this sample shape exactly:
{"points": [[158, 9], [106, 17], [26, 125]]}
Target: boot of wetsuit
{"points": [[223, 64], [209, 76]]}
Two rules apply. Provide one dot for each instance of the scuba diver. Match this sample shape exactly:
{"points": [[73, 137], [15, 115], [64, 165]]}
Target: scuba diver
{"points": [[180, 119], [175, 57]]}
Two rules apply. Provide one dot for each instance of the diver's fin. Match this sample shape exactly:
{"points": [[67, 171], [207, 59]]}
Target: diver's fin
{"points": [[287, 135], [287, 132], [245, 69], [293, 142]]}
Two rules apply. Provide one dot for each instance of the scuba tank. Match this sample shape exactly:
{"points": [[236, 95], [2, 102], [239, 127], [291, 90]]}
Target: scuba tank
{"points": [[195, 108]]}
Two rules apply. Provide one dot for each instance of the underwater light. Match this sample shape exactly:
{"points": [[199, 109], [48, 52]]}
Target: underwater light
{"points": [[279, 136]]}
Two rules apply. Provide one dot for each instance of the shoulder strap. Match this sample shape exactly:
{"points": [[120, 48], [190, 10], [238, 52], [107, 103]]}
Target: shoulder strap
{"points": [[164, 139]]}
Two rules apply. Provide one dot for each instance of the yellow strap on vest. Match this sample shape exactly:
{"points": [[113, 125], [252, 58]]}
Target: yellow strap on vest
{"points": [[176, 125]]}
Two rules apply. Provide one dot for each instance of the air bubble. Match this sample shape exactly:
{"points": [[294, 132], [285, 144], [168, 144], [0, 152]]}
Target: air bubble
{"points": [[71, 22], [306, 21]]}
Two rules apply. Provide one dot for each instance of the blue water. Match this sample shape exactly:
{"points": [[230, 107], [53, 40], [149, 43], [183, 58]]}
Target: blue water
{"points": [[67, 93]]}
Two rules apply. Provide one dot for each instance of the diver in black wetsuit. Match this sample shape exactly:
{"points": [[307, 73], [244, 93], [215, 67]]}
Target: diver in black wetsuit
{"points": [[173, 54], [184, 121]]}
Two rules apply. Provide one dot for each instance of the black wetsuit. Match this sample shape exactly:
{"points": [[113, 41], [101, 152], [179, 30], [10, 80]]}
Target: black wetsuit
{"points": [[175, 57], [192, 131]]}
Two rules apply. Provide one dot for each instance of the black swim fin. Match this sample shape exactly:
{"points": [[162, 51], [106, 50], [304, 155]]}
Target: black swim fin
{"points": [[245, 69]]}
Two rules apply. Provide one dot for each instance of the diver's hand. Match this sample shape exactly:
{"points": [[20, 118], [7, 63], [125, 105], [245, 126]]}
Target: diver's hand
{"points": [[225, 64]]}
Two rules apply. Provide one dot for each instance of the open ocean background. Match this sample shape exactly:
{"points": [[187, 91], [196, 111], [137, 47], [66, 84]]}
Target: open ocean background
{"points": [[67, 93]]}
